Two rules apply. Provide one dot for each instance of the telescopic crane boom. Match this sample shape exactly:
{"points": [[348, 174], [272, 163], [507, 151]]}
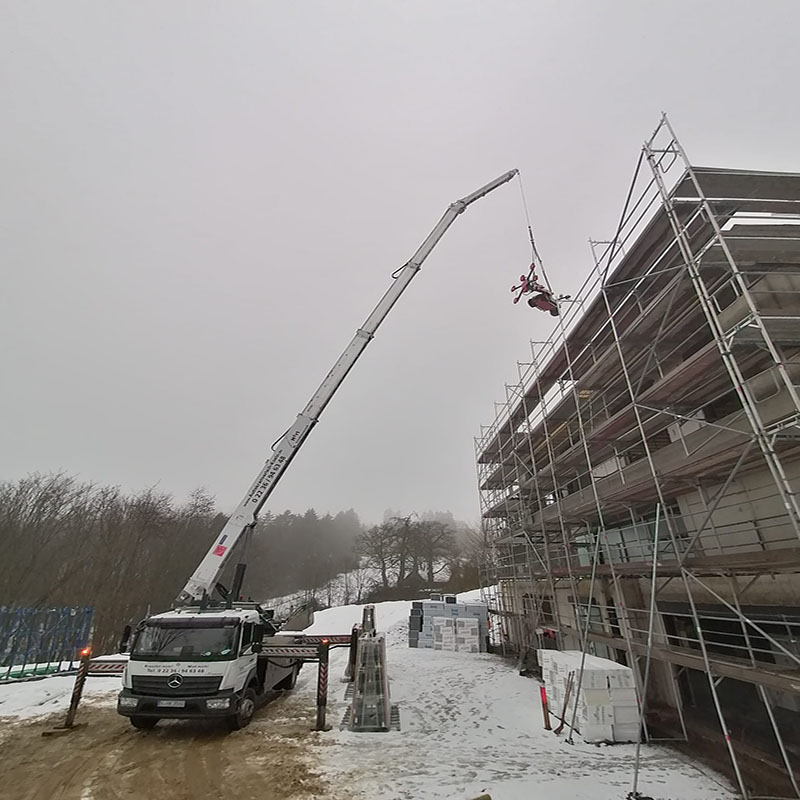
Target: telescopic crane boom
{"points": [[285, 449]]}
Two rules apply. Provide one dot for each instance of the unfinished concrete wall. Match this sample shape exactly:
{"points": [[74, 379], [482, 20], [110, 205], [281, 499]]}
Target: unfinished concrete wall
{"points": [[750, 517]]}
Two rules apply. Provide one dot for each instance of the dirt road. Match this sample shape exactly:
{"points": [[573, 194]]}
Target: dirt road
{"points": [[109, 760]]}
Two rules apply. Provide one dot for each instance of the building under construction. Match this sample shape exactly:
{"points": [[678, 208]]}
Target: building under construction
{"points": [[639, 485]]}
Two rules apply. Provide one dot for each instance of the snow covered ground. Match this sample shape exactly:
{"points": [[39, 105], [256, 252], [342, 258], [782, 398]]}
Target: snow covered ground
{"points": [[34, 698], [469, 722]]}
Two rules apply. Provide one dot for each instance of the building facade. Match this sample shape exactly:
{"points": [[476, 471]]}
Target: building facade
{"points": [[640, 486]]}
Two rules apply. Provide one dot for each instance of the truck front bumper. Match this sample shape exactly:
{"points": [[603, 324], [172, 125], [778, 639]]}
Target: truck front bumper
{"points": [[222, 704]]}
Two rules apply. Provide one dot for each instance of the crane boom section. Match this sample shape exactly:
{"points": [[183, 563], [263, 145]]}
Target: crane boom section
{"points": [[246, 513]]}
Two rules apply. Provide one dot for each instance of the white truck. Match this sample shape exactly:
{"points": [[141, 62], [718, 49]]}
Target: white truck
{"points": [[201, 662], [205, 660]]}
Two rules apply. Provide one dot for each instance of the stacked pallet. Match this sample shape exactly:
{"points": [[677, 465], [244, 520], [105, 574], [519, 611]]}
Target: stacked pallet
{"points": [[444, 633], [468, 634], [444, 624], [607, 707]]}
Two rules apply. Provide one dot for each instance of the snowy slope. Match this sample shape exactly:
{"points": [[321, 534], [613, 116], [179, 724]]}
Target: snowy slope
{"points": [[391, 614], [470, 724]]}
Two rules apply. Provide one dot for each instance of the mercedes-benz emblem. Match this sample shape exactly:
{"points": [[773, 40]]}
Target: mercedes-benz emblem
{"points": [[174, 681]]}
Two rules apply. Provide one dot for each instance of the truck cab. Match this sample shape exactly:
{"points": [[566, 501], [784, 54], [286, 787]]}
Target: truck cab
{"points": [[200, 663]]}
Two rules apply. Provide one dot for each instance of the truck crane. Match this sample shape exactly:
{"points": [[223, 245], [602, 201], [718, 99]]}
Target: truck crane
{"points": [[206, 660]]}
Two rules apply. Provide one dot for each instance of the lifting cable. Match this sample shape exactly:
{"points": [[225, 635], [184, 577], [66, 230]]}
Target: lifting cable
{"points": [[536, 261]]}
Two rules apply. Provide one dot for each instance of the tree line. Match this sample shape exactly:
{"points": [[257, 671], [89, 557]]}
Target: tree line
{"points": [[67, 542]]}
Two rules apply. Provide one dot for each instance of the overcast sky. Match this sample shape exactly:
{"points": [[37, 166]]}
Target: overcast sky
{"points": [[201, 201]]}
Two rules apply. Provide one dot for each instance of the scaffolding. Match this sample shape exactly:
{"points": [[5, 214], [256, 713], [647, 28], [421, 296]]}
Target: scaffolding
{"points": [[639, 484]]}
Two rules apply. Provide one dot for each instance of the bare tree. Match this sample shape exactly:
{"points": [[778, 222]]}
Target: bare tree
{"points": [[359, 583], [437, 543], [378, 547]]}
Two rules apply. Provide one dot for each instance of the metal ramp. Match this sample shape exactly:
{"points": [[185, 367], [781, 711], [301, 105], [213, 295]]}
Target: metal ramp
{"points": [[370, 708]]}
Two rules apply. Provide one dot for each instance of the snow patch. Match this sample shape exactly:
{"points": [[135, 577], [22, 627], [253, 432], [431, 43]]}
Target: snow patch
{"points": [[36, 698]]}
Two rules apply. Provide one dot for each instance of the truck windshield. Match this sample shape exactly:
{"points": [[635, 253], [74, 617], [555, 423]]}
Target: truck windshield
{"points": [[185, 644]]}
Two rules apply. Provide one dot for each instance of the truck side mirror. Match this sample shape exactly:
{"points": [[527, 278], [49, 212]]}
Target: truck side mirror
{"points": [[258, 632], [256, 647]]}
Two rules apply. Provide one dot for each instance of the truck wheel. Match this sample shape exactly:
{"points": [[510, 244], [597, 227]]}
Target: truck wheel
{"points": [[289, 681], [247, 706], [144, 723]]}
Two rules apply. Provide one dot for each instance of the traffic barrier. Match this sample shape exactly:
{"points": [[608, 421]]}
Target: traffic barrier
{"points": [[107, 666], [310, 649]]}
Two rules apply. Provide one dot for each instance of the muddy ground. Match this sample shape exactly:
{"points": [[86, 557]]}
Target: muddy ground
{"points": [[109, 760]]}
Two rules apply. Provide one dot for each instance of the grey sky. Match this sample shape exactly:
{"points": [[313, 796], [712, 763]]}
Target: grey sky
{"points": [[201, 201]]}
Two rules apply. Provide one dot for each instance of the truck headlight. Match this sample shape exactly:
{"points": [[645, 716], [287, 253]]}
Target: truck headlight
{"points": [[129, 702], [219, 702]]}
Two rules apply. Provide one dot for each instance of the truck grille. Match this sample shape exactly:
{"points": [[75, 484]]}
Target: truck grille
{"points": [[158, 685]]}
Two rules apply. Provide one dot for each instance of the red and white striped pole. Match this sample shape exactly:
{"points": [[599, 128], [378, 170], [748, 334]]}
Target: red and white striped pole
{"points": [[322, 685]]}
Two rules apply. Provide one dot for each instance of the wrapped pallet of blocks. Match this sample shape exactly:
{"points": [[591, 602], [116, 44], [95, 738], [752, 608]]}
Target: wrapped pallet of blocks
{"points": [[444, 633], [444, 624], [607, 706], [468, 635]]}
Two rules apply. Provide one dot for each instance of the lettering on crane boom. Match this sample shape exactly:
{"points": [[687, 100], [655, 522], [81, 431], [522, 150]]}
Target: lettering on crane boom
{"points": [[276, 463], [274, 467]]}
